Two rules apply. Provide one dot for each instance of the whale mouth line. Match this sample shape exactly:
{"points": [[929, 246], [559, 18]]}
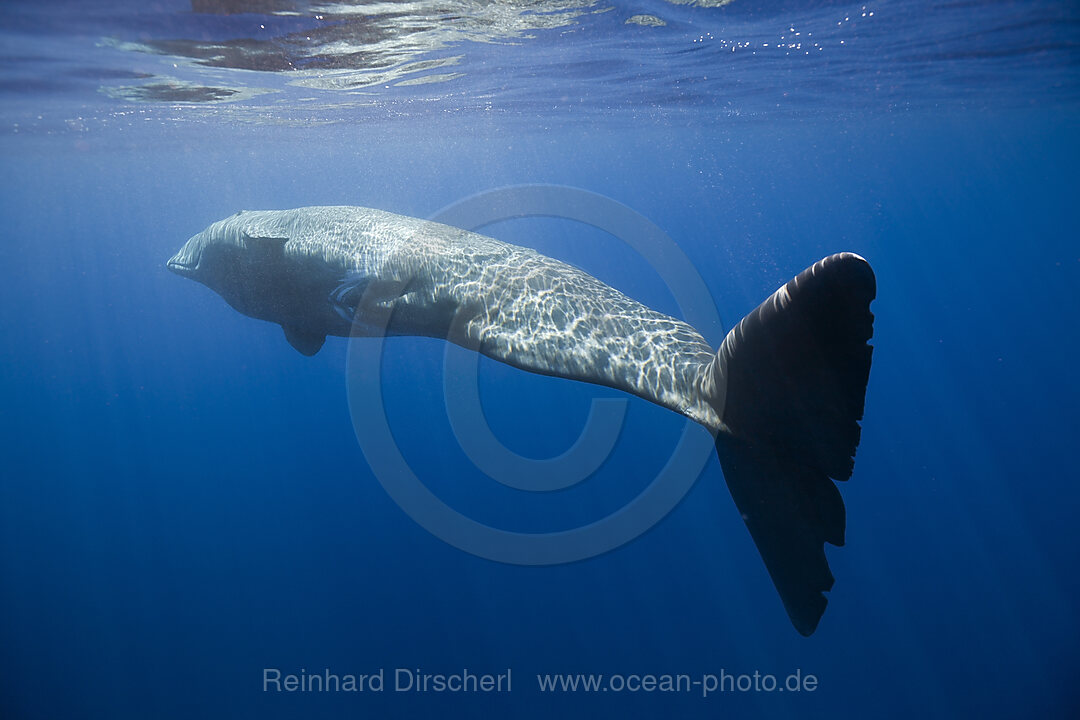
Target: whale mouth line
{"points": [[181, 268]]}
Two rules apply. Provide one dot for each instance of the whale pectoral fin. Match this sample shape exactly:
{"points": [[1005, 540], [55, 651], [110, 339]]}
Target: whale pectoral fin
{"points": [[306, 342]]}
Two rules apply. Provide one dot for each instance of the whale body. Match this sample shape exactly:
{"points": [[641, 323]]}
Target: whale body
{"points": [[783, 394]]}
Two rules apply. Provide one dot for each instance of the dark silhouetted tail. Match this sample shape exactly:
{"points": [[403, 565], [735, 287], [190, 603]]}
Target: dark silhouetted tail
{"points": [[795, 372]]}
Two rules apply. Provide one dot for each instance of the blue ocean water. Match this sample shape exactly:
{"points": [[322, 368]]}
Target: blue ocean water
{"points": [[184, 503]]}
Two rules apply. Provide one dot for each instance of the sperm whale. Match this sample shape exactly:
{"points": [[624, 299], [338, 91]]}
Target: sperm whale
{"points": [[783, 394]]}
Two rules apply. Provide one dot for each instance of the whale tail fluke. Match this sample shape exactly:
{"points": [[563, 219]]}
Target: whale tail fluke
{"points": [[795, 372]]}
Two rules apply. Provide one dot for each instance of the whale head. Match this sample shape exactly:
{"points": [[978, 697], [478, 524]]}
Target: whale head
{"points": [[243, 259], [237, 261], [187, 260]]}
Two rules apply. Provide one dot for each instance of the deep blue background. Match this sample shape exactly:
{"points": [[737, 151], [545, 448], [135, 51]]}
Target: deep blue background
{"points": [[183, 501], [184, 504]]}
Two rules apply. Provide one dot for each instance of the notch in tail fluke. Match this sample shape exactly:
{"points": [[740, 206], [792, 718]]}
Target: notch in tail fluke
{"points": [[795, 372]]}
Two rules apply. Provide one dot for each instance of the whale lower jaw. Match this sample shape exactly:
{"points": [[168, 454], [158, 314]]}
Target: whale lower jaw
{"points": [[181, 268]]}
